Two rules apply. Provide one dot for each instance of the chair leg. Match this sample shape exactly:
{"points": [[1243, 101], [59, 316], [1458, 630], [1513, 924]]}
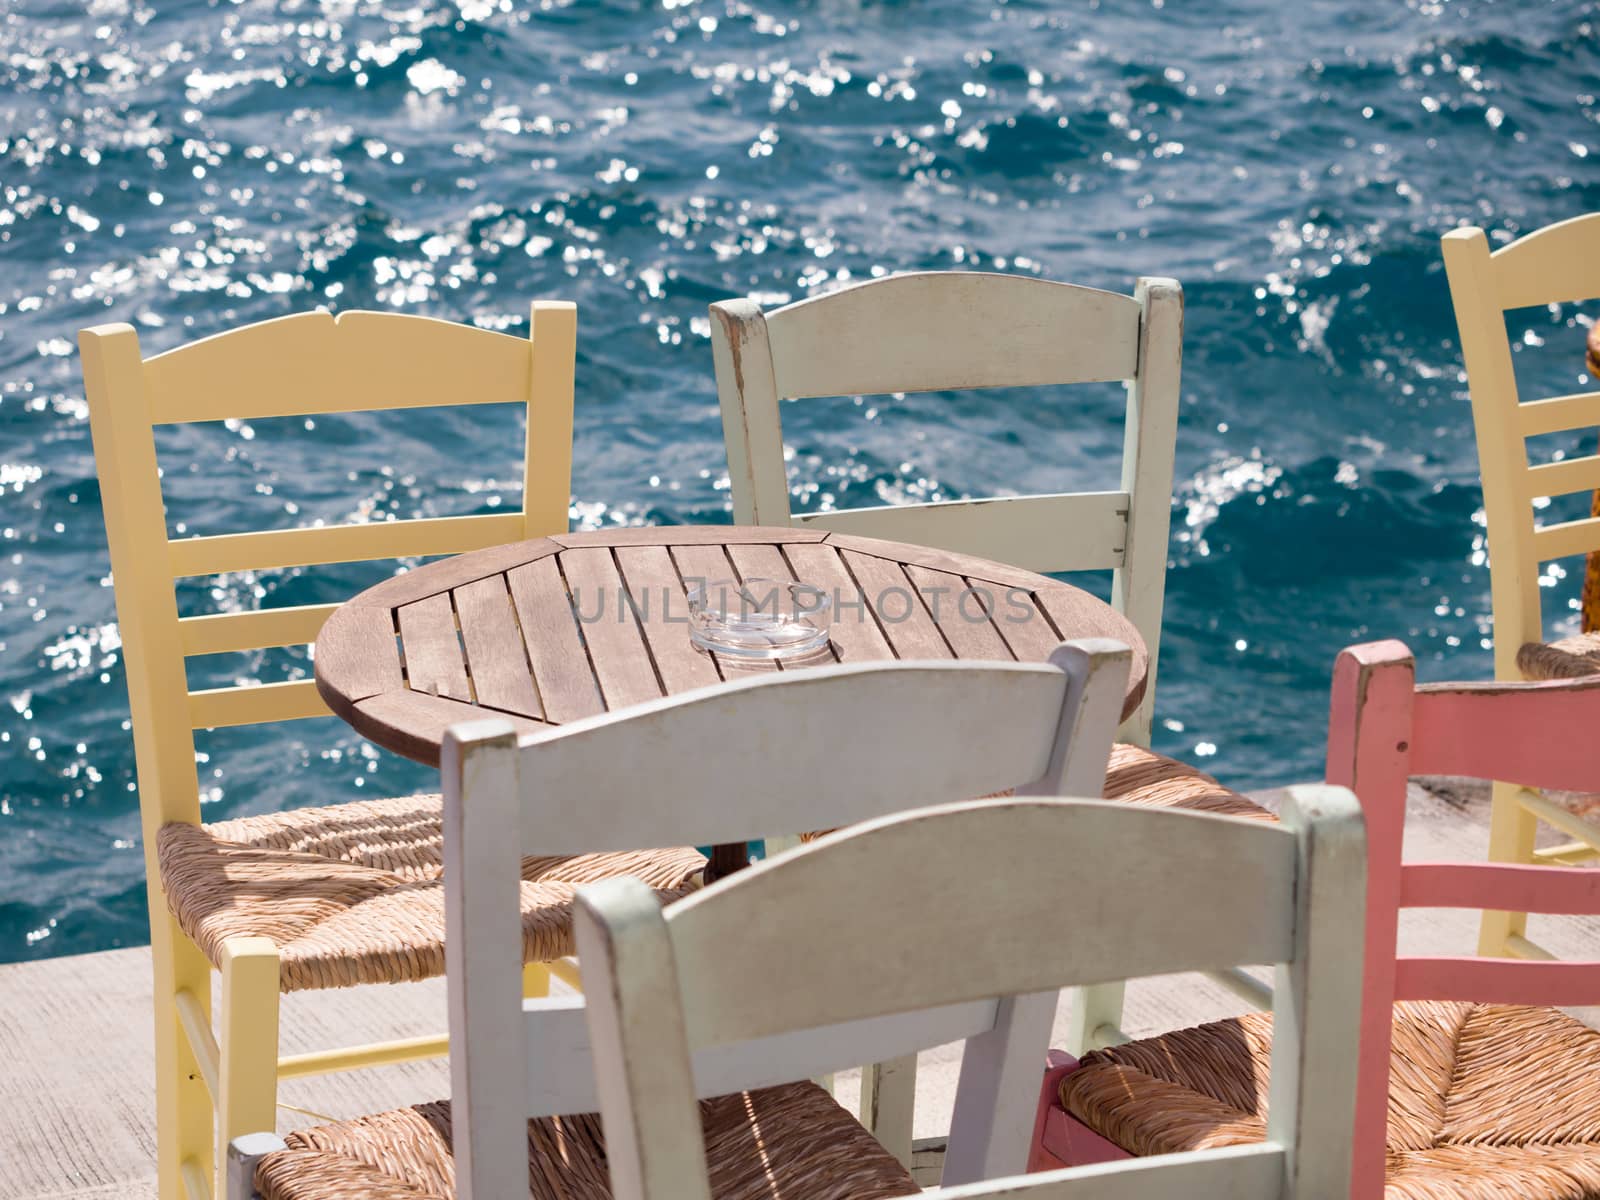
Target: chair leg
{"points": [[243, 1155], [888, 1104], [247, 1076], [535, 981], [183, 1104], [1511, 834], [1095, 1018]]}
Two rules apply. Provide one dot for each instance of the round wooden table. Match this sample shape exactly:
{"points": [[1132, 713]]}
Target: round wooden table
{"points": [[555, 629]]}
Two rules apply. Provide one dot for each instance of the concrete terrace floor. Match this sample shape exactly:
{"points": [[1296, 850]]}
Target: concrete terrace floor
{"points": [[76, 1092]]}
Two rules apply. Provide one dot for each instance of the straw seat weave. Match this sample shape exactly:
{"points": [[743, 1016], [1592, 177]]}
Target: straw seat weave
{"points": [[1485, 1101], [1570, 658], [352, 894], [783, 1143], [1142, 777]]}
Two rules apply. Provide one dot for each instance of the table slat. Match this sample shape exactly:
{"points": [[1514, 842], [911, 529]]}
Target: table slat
{"points": [[361, 659], [1031, 640], [759, 562], [499, 664], [663, 613], [1077, 614], [767, 562], [567, 689], [702, 563], [616, 647], [960, 615], [905, 620], [710, 563], [446, 573], [433, 652], [414, 724], [937, 560], [853, 631]]}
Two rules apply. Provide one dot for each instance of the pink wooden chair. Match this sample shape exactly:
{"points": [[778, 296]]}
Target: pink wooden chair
{"points": [[1466, 1087]]}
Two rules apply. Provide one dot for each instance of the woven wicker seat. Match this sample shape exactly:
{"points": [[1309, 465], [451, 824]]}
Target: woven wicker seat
{"points": [[1570, 658], [1485, 1101], [351, 894], [1140, 776], [784, 1142]]}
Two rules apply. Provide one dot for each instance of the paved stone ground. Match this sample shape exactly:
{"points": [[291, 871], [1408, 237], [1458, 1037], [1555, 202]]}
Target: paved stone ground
{"points": [[76, 1115]]}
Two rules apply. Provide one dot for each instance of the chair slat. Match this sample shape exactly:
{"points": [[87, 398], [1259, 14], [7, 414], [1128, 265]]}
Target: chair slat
{"points": [[582, 784], [225, 633], [1564, 478], [1502, 731], [1228, 1173], [317, 363], [1554, 265], [1513, 887], [1567, 539], [1200, 880], [1497, 981], [273, 548], [216, 708], [1559, 414], [952, 330], [560, 1069], [1083, 532]]}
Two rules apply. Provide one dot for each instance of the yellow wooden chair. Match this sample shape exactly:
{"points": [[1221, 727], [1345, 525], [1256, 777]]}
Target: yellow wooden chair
{"points": [[1554, 265], [316, 897]]}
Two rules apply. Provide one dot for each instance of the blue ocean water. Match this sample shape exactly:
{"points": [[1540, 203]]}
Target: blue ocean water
{"points": [[190, 166]]}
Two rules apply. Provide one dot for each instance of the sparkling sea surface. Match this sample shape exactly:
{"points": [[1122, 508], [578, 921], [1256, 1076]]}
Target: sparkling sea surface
{"points": [[188, 167]]}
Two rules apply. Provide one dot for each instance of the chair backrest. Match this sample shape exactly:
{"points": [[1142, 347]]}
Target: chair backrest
{"points": [[308, 363], [760, 955], [947, 330], [1554, 265], [773, 753], [1385, 729]]}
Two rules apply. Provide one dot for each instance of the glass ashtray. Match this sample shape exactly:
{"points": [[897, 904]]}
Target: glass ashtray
{"points": [[759, 618]]}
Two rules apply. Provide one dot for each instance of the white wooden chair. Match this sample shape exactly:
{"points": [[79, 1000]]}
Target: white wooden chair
{"points": [[792, 751], [758, 957], [946, 330], [1554, 265], [249, 898]]}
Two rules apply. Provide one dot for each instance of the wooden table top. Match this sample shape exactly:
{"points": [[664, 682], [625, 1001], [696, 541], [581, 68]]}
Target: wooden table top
{"points": [[516, 629]]}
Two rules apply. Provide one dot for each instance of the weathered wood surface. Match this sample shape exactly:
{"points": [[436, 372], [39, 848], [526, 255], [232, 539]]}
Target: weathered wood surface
{"points": [[662, 984], [77, 1106], [937, 330], [555, 629]]}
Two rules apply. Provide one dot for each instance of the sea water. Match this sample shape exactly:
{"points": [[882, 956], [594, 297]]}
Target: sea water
{"points": [[189, 167]]}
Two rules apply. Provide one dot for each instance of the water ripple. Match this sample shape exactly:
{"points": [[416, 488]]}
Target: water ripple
{"points": [[190, 166]]}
